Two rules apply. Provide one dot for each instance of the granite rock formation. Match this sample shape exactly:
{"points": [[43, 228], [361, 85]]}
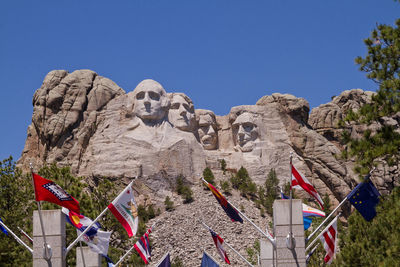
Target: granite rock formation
{"points": [[88, 122]]}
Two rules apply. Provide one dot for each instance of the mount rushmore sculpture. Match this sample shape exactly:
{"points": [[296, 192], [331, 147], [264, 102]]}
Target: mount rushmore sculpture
{"points": [[86, 121]]}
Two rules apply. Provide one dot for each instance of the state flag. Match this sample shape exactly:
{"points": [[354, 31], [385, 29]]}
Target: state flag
{"points": [[218, 244], [312, 212], [165, 261], [46, 190], [81, 222], [142, 246], [364, 198], [97, 243], [124, 208], [208, 261], [229, 210], [300, 181]]}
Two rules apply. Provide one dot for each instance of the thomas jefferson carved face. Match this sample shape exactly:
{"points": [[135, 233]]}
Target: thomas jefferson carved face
{"points": [[150, 101], [207, 129], [181, 112], [245, 132]]}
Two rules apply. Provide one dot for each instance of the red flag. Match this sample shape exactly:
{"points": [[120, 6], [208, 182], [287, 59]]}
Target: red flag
{"points": [[218, 243], [300, 181], [328, 238], [46, 190]]}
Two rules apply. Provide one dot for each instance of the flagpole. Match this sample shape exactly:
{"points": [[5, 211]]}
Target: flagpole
{"points": [[267, 235], [234, 250], [47, 248], [16, 237], [316, 239], [129, 251], [311, 252], [326, 219], [93, 222], [25, 234], [290, 242]]}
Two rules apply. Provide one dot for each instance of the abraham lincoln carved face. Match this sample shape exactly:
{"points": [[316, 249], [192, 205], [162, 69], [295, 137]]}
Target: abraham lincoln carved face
{"points": [[245, 132]]}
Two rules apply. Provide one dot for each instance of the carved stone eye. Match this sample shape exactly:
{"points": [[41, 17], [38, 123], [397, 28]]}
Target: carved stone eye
{"points": [[154, 96], [140, 95], [175, 106]]}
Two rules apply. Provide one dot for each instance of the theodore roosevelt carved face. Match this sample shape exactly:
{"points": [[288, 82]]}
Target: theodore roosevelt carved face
{"points": [[181, 112], [245, 132], [150, 101], [207, 129]]}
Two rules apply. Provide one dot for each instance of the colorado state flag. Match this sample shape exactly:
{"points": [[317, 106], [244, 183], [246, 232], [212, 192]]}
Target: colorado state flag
{"points": [[364, 198]]}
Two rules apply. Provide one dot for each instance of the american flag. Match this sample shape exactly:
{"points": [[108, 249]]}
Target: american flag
{"points": [[218, 243], [328, 238]]}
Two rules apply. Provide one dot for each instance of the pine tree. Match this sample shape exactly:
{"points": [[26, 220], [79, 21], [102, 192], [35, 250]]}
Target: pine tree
{"points": [[375, 243], [382, 65]]}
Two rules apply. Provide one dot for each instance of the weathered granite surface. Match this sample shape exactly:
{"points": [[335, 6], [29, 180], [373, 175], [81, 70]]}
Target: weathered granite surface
{"points": [[88, 122]]}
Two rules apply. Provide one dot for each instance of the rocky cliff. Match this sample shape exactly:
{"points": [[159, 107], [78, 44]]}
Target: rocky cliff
{"points": [[88, 122]]}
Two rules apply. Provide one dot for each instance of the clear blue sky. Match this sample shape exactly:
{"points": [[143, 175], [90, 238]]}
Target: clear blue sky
{"points": [[221, 53]]}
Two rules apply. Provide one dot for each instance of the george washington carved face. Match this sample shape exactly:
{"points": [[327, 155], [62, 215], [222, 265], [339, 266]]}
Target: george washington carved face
{"points": [[245, 132], [150, 101]]}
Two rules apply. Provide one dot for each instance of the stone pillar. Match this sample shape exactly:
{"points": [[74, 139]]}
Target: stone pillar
{"points": [[92, 259], [266, 253], [284, 256], [54, 225]]}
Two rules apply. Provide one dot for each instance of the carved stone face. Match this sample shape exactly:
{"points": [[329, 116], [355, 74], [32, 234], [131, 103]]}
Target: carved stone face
{"points": [[207, 130], [245, 132], [150, 101], [181, 112]]}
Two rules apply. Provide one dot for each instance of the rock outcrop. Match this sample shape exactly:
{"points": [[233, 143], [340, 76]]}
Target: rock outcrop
{"points": [[88, 122]]}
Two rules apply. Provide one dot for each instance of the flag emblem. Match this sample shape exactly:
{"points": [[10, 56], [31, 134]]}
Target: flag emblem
{"points": [[57, 191]]}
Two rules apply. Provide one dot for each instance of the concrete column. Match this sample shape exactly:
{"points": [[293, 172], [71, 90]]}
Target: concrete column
{"points": [[54, 225], [284, 256], [92, 259], [266, 253]]}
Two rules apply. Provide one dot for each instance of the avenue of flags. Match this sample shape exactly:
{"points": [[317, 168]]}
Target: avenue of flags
{"points": [[364, 197]]}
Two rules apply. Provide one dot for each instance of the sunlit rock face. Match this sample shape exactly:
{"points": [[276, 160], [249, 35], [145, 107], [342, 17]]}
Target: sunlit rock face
{"points": [[88, 122]]}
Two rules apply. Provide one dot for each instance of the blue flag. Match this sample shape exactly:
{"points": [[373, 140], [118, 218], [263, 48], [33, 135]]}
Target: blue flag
{"points": [[165, 262], [283, 196], [207, 261], [364, 198], [2, 228], [307, 222]]}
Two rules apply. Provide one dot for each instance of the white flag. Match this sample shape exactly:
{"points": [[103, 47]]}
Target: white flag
{"points": [[97, 243], [125, 210]]}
